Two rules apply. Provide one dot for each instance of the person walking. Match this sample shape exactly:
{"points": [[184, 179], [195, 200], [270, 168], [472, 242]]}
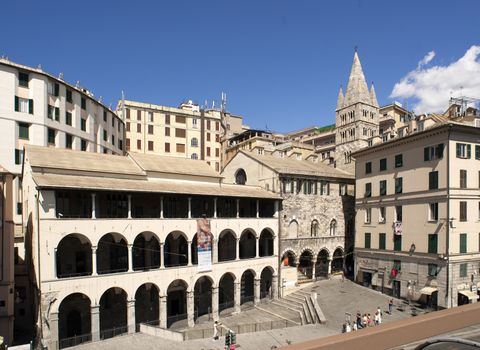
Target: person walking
{"points": [[348, 328], [355, 327], [390, 306], [376, 318], [379, 315], [359, 320], [215, 330]]}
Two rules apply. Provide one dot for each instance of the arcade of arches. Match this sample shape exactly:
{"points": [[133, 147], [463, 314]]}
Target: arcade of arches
{"points": [[315, 265]]}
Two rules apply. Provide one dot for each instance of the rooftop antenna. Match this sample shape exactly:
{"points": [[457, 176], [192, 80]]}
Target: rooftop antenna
{"points": [[224, 102], [60, 76], [77, 84], [100, 99], [39, 66], [213, 104]]}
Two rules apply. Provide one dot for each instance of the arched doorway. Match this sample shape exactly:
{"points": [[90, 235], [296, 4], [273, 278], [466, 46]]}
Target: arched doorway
{"points": [[240, 177], [146, 252], [321, 269], [113, 313], [227, 246], [226, 292], [112, 254], [176, 249], [74, 320], [74, 256], [146, 305], [265, 246], [176, 302], [247, 245], [266, 282], [288, 258], [337, 262], [305, 266], [247, 287], [202, 296]]}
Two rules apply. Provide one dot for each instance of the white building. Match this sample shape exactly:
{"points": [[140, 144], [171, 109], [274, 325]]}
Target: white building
{"points": [[113, 242]]}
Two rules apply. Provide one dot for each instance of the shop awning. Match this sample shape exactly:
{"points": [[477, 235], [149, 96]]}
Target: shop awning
{"points": [[428, 290], [469, 294]]}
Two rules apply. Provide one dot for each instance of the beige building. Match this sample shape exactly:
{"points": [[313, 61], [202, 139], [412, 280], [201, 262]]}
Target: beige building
{"points": [[114, 242], [184, 132], [417, 202], [317, 216]]}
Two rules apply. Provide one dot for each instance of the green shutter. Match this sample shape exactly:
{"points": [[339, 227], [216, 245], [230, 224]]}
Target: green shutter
{"points": [[399, 185], [459, 150], [426, 154], [432, 243], [368, 240], [30, 106], [469, 151], [463, 242], [381, 241], [477, 152], [16, 104], [57, 114], [397, 243], [439, 151]]}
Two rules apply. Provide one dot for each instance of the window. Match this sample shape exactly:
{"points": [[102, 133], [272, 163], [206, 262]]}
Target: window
{"points": [[84, 103], [398, 160], [217, 126], [53, 89], [105, 136], [433, 180], [139, 144], [23, 105], [208, 151], [120, 144], [217, 138], [150, 145], [167, 118], [325, 188], [381, 215], [397, 264], [343, 189], [127, 144], [195, 123], [368, 238], [19, 208], [139, 128], [139, 115], [150, 129], [180, 119], [83, 124], [368, 215], [208, 124], [23, 131], [463, 178], [105, 116], [368, 189], [398, 213], [180, 133], [180, 148], [51, 136], [287, 184], [167, 131], [194, 142], [150, 117], [463, 270], [23, 79], [18, 156], [194, 156], [68, 118], [433, 152], [397, 243], [383, 164], [240, 177], [83, 145], [432, 270], [53, 113], [382, 241], [68, 141], [433, 212], [432, 243], [208, 136], [167, 147], [398, 185], [128, 113], [463, 211], [113, 140], [383, 187], [463, 150], [69, 97], [128, 126], [477, 152], [217, 152], [463, 242]]}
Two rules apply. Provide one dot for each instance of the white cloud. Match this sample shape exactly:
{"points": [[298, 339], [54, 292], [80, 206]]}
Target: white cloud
{"points": [[429, 89]]}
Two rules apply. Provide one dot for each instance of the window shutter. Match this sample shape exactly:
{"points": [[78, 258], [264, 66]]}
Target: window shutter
{"points": [[477, 152], [57, 89], [469, 151], [463, 243], [459, 150], [426, 154], [440, 151], [16, 104], [30, 106]]}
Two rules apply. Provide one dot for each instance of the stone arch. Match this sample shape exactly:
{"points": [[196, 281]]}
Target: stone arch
{"points": [[74, 320], [74, 256], [293, 229], [227, 245], [266, 242], [202, 296], [176, 249], [112, 253], [337, 260], [266, 282], [226, 291], [146, 251], [289, 258], [147, 304], [176, 301], [321, 267], [247, 286], [248, 244], [240, 177], [305, 263], [333, 227], [113, 313], [314, 228]]}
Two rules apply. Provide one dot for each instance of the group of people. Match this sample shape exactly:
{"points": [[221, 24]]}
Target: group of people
{"points": [[363, 321]]}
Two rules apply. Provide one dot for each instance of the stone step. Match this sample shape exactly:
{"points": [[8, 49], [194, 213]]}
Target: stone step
{"points": [[308, 315], [311, 310], [303, 293], [293, 301], [287, 305], [283, 312], [295, 296]]}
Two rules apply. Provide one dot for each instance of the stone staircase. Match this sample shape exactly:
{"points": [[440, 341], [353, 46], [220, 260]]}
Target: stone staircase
{"points": [[302, 278]]}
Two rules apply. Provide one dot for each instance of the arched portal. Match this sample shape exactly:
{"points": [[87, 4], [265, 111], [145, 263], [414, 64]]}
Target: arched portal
{"points": [[247, 245], [240, 177], [112, 254], [321, 269], [266, 282], [176, 249], [176, 302], [74, 256], [226, 292], [247, 287], [146, 305], [113, 313], [265, 246], [337, 262], [288, 258], [202, 296], [74, 320], [227, 246], [305, 266], [146, 252]]}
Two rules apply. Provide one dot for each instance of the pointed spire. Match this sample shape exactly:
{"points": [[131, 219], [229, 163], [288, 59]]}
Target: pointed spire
{"points": [[340, 99], [357, 88], [373, 96]]}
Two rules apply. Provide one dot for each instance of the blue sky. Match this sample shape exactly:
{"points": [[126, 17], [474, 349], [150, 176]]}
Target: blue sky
{"points": [[280, 62]]}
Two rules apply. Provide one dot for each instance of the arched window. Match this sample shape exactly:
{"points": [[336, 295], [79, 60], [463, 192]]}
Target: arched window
{"points": [[314, 228], [240, 177], [194, 156], [194, 142], [293, 229], [333, 227]]}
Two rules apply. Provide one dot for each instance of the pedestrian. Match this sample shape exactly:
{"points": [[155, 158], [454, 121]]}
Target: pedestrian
{"points": [[365, 321], [355, 327], [379, 315], [359, 320], [390, 306], [348, 329], [376, 318], [215, 330], [369, 321], [344, 328]]}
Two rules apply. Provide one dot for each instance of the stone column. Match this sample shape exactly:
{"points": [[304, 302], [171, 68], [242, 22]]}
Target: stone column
{"points": [[275, 246], [131, 315], [215, 207], [238, 208], [53, 322], [189, 253], [189, 207], [314, 263], [258, 208], [238, 296], [274, 287], [215, 303], [130, 258], [329, 266], [94, 214], [237, 247], [95, 319], [161, 207], [162, 256], [257, 246], [94, 261], [190, 309], [256, 291], [215, 250], [129, 206], [162, 305]]}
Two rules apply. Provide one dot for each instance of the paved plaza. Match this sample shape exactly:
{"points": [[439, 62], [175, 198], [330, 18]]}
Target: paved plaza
{"points": [[336, 298]]}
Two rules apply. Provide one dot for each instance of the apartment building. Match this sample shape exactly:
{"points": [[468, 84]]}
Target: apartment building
{"points": [[119, 241], [184, 132], [317, 217], [418, 210]]}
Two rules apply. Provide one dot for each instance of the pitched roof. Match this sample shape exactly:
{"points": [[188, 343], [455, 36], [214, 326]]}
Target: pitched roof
{"points": [[341, 99], [373, 97], [288, 165], [357, 89]]}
